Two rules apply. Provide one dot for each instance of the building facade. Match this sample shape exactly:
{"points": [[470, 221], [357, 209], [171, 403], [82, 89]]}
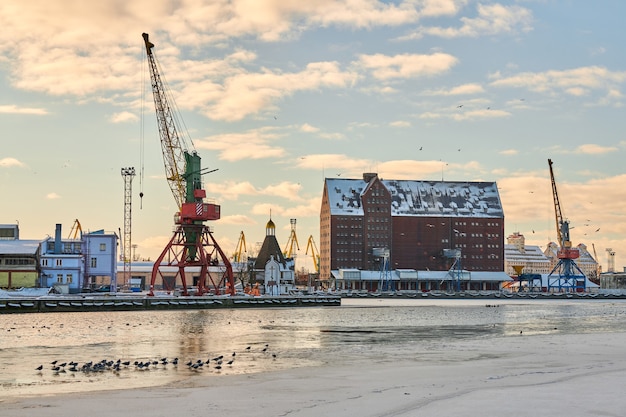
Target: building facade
{"points": [[81, 264], [19, 266], [271, 268], [424, 225]]}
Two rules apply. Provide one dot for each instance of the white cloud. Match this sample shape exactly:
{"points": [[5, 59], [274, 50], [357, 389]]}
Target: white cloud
{"points": [[400, 123], [509, 152], [465, 89], [123, 117], [594, 149], [12, 109], [575, 81], [52, 196], [308, 128], [253, 144], [492, 20], [230, 190], [11, 162], [386, 67]]}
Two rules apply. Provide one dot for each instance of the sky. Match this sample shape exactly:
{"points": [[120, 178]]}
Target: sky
{"points": [[277, 95]]}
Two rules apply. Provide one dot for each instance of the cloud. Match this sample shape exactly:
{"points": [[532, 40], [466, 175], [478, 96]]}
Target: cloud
{"points": [[123, 117], [237, 219], [52, 196], [509, 152], [593, 149], [310, 207], [460, 115], [335, 164], [465, 89], [529, 206], [400, 123], [230, 190], [492, 19], [11, 162], [385, 67], [585, 149], [575, 82], [308, 128], [245, 93], [13, 109], [253, 144]]}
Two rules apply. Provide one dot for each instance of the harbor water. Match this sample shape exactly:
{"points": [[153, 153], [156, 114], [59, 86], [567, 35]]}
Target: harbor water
{"points": [[123, 350]]}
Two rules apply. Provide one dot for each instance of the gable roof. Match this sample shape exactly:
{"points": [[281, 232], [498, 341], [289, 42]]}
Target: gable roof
{"points": [[420, 198], [269, 248]]}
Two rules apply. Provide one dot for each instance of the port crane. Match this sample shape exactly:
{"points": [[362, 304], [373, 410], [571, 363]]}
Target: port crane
{"points": [[315, 254], [240, 249], [566, 275], [192, 244], [292, 242]]}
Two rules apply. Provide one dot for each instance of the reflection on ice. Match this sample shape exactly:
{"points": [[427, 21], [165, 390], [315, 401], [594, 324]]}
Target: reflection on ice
{"points": [[261, 340]]}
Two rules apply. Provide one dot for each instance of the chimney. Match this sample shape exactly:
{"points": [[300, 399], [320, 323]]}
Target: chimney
{"points": [[368, 176], [57, 239]]}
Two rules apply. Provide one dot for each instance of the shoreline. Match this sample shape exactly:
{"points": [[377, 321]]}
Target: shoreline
{"points": [[540, 375], [17, 303]]}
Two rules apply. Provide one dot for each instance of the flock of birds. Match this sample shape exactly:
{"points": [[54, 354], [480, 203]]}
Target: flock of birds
{"points": [[105, 365]]}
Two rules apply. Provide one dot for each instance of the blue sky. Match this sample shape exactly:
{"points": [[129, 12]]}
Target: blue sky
{"points": [[277, 95]]}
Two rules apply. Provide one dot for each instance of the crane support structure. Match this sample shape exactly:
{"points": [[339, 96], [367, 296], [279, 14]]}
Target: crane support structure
{"points": [[128, 174], [192, 244], [566, 275]]}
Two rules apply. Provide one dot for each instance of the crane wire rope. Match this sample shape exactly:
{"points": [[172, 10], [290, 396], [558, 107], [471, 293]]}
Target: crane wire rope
{"points": [[142, 131]]}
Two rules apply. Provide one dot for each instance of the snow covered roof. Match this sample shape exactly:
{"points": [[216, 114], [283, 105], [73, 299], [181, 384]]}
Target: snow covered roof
{"points": [[19, 247], [420, 198]]}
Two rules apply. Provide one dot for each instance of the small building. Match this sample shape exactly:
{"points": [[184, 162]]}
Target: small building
{"points": [[19, 266], [613, 281], [83, 264], [270, 268]]}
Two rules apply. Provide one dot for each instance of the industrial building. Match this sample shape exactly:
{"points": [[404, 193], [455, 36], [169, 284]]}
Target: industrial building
{"points": [[371, 224], [78, 263]]}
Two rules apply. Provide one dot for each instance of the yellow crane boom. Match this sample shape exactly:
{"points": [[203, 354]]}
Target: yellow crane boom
{"points": [[314, 253], [241, 248]]}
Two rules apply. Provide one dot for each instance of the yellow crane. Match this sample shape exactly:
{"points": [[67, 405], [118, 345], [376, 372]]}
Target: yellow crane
{"points": [[241, 248], [314, 253], [292, 241], [76, 232]]}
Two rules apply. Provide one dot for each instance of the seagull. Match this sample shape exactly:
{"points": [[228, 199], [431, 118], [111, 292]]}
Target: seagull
{"points": [[39, 368], [598, 229], [459, 106], [420, 148]]}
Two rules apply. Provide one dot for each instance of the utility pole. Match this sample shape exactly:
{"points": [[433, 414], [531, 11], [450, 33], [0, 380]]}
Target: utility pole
{"points": [[127, 174]]}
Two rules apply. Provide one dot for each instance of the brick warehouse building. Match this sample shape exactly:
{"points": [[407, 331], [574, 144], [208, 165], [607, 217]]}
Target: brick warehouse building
{"points": [[416, 220]]}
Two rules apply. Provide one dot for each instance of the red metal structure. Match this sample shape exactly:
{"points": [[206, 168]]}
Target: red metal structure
{"points": [[192, 245]]}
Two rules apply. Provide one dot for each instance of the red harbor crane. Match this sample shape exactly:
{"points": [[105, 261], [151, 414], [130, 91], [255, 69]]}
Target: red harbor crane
{"points": [[193, 244], [566, 275]]}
